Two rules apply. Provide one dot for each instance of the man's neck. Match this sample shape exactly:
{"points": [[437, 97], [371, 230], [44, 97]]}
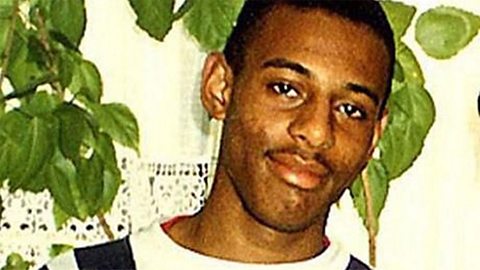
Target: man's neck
{"points": [[224, 229]]}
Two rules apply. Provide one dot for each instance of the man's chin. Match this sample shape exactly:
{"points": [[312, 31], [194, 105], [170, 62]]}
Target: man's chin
{"points": [[288, 222], [291, 227]]}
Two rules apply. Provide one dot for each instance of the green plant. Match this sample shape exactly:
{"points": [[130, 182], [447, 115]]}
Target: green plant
{"points": [[442, 32], [16, 262], [55, 133]]}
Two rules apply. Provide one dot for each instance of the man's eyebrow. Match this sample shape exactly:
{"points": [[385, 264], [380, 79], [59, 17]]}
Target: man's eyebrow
{"points": [[285, 63], [357, 88], [298, 68]]}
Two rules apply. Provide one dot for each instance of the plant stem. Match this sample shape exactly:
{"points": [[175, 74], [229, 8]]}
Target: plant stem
{"points": [[371, 222], [106, 228], [15, 95], [43, 38], [184, 8], [8, 45]]}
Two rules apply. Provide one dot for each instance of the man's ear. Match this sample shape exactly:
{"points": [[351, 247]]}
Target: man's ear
{"points": [[379, 128], [217, 81]]}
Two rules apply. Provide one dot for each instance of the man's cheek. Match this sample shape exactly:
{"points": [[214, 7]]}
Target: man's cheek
{"points": [[349, 161], [253, 129]]}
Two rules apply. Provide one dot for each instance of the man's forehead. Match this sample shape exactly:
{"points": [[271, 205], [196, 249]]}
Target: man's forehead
{"points": [[318, 38], [285, 22]]}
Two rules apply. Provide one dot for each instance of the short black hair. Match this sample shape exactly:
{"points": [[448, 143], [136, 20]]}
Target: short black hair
{"points": [[368, 12]]}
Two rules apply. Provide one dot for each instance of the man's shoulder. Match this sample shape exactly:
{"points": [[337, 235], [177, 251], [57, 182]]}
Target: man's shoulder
{"points": [[356, 264], [119, 254], [112, 255]]}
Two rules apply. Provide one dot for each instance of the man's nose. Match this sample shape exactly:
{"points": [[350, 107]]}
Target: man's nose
{"points": [[312, 126]]}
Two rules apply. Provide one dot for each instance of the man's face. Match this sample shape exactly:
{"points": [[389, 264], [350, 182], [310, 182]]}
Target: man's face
{"points": [[304, 115]]}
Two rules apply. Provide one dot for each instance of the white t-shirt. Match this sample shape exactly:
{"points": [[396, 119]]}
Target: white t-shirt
{"points": [[153, 249]]}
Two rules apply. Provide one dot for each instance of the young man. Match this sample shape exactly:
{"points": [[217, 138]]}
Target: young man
{"points": [[301, 87]]}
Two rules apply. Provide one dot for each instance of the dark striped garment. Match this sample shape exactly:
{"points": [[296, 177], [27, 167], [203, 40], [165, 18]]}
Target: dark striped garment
{"points": [[153, 249], [118, 255]]}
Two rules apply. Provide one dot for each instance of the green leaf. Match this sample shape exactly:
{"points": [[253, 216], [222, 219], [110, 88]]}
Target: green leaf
{"points": [[4, 160], [411, 114], [4, 155], [117, 121], [6, 2], [6, 12], [67, 20], [1, 208], [3, 102], [59, 217], [6, 8], [4, 28], [57, 249], [73, 129], [34, 150], [36, 184], [443, 31], [90, 174], [3, 105], [43, 5], [154, 16], [27, 67], [111, 183], [41, 104], [378, 183], [211, 21], [36, 50], [111, 176], [66, 67], [10, 140], [400, 17], [61, 175], [16, 262], [411, 71], [103, 146], [22, 154], [86, 82]]}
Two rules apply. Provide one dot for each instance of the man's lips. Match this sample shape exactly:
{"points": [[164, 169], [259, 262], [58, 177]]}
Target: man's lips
{"points": [[296, 170]]}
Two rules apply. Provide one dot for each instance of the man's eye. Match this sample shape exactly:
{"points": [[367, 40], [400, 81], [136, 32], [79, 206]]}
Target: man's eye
{"points": [[284, 89], [352, 111]]}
